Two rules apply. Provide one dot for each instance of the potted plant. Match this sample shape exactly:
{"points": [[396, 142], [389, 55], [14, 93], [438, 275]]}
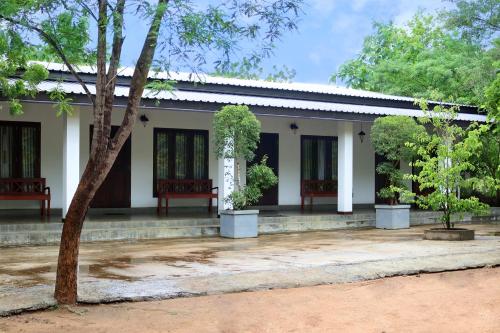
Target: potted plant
{"points": [[444, 158], [389, 136], [236, 135]]}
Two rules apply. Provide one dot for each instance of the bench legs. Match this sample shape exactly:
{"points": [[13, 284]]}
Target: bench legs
{"points": [[159, 206], [302, 202], [45, 207]]}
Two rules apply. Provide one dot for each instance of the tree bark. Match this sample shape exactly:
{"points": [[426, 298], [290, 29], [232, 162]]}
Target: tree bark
{"points": [[104, 149]]}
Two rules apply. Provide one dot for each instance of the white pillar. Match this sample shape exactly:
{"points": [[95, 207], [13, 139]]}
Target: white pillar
{"points": [[345, 168], [226, 181], [71, 157]]}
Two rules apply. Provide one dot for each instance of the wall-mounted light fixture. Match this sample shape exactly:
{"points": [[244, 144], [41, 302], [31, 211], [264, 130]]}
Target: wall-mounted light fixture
{"points": [[144, 119], [294, 127], [361, 134]]}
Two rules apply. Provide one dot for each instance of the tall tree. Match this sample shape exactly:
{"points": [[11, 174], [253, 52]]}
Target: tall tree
{"points": [[179, 34], [252, 69], [476, 19], [420, 60]]}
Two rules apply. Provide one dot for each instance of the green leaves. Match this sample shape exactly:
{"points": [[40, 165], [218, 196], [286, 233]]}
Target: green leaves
{"points": [[236, 132], [390, 137], [259, 177], [62, 105], [444, 158], [422, 59], [236, 135]]}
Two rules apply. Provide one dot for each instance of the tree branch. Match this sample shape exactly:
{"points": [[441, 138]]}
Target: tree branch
{"points": [[116, 50], [100, 130], [139, 78], [57, 48]]}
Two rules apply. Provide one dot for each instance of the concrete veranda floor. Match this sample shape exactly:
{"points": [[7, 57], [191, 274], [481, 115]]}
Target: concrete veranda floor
{"points": [[114, 271]]}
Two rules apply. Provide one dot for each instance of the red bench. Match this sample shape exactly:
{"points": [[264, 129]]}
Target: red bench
{"points": [[317, 188], [186, 189], [26, 189]]}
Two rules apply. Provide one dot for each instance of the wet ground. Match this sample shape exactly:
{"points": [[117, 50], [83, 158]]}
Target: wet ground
{"points": [[460, 301], [111, 271]]}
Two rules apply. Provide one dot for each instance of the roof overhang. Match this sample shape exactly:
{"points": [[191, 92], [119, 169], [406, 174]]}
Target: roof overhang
{"points": [[211, 102]]}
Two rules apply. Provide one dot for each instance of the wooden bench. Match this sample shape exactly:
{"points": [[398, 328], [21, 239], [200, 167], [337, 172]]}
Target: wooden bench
{"points": [[186, 189], [26, 189], [317, 188]]}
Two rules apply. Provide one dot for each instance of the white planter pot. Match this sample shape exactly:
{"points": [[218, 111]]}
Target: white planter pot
{"points": [[239, 223], [392, 216]]}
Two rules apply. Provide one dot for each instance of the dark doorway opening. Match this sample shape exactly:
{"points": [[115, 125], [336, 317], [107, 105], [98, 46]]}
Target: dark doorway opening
{"points": [[268, 145], [115, 190]]}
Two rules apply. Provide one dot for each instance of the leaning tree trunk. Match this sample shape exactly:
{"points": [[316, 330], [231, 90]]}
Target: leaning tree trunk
{"points": [[105, 148], [67, 265]]}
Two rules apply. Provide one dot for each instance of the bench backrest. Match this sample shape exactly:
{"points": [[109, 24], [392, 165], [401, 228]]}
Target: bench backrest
{"points": [[21, 185], [319, 186], [185, 186]]}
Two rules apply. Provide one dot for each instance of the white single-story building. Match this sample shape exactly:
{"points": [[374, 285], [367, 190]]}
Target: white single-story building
{"points": [[309, 131]]}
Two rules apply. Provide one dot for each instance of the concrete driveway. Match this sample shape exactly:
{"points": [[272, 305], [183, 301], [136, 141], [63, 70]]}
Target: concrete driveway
{"points": [[114, 271]]}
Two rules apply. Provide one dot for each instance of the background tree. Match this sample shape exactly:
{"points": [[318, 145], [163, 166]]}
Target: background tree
{"points": [[251, 69], [179, 34], [451, 57], [389, 136], [477, 20], [421, 60], [444, 157]]}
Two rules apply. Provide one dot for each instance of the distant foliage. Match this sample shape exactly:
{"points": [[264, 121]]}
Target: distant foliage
{"points": [[251, 69], [421, 60]]}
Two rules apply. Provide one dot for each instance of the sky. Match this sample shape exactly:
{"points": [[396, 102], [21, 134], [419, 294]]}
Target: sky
{"points": [[329, 33]]}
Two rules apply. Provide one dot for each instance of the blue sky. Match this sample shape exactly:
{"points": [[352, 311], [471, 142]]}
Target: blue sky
{"points": [[329, 33]]}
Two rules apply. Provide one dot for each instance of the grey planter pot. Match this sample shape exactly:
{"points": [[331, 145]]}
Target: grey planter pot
{"points": [[455, 234], [392, 216], [239, 223]]}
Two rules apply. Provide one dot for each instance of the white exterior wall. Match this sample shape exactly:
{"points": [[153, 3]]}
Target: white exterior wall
{"points": [[289, 158], [142, 153]]}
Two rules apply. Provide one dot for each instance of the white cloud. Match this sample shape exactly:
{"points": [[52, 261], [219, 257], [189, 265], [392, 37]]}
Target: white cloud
{"points": [[358, 5], [323, 6], [315, 57]]}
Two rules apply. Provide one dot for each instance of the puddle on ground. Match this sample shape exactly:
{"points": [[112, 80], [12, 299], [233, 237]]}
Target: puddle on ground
{"points": [[103, 269]]}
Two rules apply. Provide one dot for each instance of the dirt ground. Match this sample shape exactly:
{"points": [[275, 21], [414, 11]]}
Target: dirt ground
{"points": [[461, 301]]}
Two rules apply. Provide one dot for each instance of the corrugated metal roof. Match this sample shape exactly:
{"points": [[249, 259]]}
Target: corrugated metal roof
{"points": [[193, 96], [203, 78]]}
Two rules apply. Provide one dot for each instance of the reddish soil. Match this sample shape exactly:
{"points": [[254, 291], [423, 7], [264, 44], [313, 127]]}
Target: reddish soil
{"points": [[463, 301]]}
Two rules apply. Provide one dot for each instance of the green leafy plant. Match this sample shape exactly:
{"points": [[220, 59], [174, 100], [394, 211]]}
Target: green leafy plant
{"points": [[237, 132], [444, 158], [389, 136]]}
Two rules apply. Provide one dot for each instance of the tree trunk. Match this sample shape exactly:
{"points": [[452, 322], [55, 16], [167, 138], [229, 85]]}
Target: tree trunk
{"points": [[67, 265], [104, 149]]}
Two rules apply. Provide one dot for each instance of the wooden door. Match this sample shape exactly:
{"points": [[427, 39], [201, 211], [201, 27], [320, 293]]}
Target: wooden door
{"points": [[268, 145], [115, 190]]}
